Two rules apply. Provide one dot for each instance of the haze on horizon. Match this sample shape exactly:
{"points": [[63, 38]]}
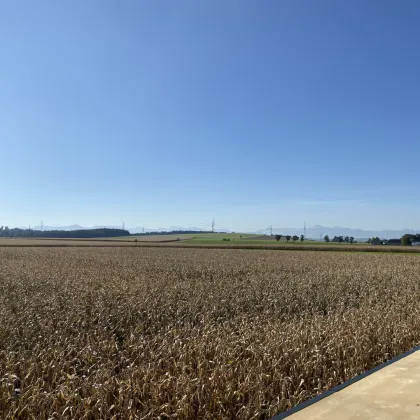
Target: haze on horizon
{"points": [[175, 113]]}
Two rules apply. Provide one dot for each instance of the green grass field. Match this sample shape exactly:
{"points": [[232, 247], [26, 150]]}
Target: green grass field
{"points": [[251, 239], [218, 239], [206, 240]]}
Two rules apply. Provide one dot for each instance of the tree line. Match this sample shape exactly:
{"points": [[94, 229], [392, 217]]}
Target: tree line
{"points": [[340, 239], [405, 240], [294, 238], [408, 239], [5, 232], [374, 241]]}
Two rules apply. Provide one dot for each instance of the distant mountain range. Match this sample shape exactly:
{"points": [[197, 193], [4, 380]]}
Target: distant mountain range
{"points": [[312, 232], [72, 227], [317, 231], [130, 229]]}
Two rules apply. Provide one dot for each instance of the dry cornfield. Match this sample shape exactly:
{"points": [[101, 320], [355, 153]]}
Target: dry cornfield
{"points": [[138, 333]]}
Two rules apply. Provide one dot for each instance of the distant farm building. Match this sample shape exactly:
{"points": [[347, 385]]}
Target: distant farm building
{"points": [[393, 242]]}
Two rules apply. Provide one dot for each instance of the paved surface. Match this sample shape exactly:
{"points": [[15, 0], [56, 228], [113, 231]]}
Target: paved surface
{"points": [[390, 393]]}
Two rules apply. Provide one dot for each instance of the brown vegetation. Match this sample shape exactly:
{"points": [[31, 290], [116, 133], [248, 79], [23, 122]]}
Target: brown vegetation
{"points": [[70, 242], [193, 333]]}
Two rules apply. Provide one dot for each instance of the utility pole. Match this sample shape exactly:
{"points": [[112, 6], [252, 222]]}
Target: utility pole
{"points": [[143, 229], [304, 229], [123, 226], [212, 226], [42, 225], [271, 230]]}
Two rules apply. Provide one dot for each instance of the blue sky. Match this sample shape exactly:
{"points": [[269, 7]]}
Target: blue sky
{"points": [[163, 113]]}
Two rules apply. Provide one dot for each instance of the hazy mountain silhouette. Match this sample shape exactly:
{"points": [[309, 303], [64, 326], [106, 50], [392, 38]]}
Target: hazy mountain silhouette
{"points": [[71, 227], [137, 229], [313, 232], [317, 231]]}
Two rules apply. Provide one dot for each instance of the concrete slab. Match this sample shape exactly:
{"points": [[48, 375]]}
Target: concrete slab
{"points": [[391, 393]]}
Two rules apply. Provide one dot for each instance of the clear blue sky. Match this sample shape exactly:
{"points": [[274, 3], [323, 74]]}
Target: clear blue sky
{"points": [[162, 113]]}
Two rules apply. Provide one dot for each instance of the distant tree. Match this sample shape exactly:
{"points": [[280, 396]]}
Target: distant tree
{"points": [[406, 240], [369, 241], [351, 239], [326, 238], [278, 237], [375, 241], [302, 238], [288, 237], [340, 239], [346, 239], [295, 238]]}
